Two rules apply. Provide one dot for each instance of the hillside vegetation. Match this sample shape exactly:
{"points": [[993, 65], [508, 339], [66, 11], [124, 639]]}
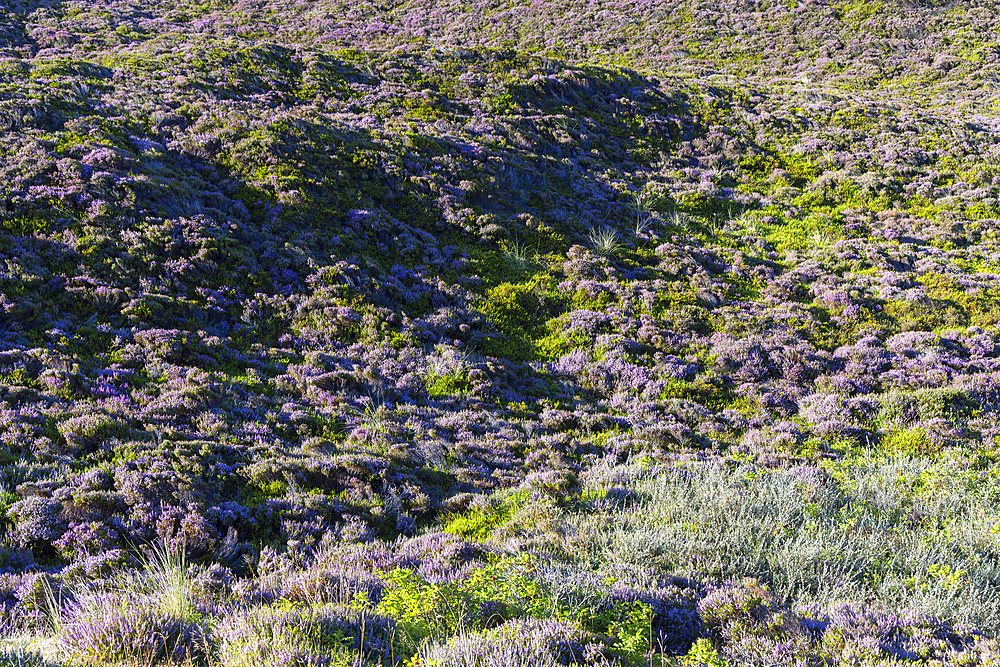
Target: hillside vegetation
{"points": [[451, 334]]}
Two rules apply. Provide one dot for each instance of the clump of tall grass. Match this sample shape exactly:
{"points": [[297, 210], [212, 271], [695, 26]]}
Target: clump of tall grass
{"points": [[517, 255], [644, 203], [820, 239], [605, 241], [169, 582]]}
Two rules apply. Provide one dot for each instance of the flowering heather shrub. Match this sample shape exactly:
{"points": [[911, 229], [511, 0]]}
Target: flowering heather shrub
{"points": [[288, 636], [746, 359], [835, 413], [855, 635], [440, 554], [37, 520], [38, 597], [107, 628], [99, 566], [82, 540], [528, 642], [727, 604]]}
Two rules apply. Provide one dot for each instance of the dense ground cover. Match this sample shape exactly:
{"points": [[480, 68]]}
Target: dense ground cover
{"points": [[499, 333]]}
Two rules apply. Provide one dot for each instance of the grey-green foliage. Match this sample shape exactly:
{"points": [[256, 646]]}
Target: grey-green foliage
{"points": [[605, 241], [517, 254], [20, 657], [813, 540]]}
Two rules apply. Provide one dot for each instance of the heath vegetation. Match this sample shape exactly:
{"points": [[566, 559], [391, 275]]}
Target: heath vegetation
{"points": [[449, 334]]}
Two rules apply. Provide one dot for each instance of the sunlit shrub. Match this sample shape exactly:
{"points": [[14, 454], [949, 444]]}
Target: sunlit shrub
{"points": [[107, 628], [300, 636]]}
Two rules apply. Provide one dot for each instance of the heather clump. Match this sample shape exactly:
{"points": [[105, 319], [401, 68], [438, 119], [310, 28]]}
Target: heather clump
{"points": [[289, 635], [116, 629], [516, 643]]}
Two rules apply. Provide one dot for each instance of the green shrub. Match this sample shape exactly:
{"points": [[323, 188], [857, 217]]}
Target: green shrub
{"points": [[423, 610], [508, 582], [452, 383], [420, 609], [926, 315], [909, 442], [558, 343], [479, 523], [702, 654], [899, 409], [518, 311], [944, 403], [804, 233]]}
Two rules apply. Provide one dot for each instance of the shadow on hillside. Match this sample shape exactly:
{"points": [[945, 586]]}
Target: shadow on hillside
{"points": [[554, 119], [260, 207], [15, 42]]}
